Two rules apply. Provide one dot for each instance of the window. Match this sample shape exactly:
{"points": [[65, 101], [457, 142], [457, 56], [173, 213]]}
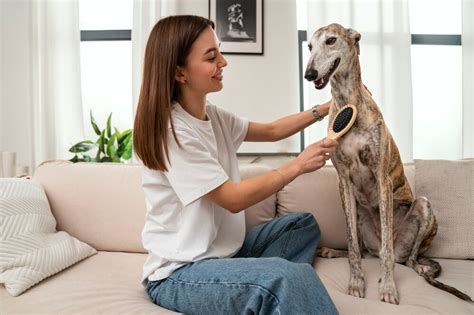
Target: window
{"points": [[436, 58], [437, 79], [106, 62]]}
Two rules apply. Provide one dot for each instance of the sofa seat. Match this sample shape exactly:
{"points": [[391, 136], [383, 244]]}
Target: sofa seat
{"points": [[109, 283], [415, 294], [105, 283]]}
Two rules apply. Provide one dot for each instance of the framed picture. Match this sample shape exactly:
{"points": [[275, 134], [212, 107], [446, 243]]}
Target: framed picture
{"points": [[239, 25]]}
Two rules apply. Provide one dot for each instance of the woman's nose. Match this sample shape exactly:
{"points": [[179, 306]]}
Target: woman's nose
{"points": [[222, 61]]}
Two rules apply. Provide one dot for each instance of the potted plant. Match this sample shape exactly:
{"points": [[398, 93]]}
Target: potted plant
{"points": [[111, 147]]}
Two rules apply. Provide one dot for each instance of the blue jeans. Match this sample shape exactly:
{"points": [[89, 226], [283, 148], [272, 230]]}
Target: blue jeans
{"points": [[271, 274]]}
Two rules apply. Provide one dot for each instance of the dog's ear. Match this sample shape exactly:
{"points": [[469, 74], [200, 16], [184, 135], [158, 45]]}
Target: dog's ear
{"points": [[355, 36]]}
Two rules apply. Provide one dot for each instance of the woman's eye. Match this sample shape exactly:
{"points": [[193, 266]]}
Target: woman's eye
{"points": [[330, 40], [211, 57]]}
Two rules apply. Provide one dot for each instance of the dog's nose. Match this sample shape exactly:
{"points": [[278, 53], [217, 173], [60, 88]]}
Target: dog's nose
{"points": [[311, 74]]}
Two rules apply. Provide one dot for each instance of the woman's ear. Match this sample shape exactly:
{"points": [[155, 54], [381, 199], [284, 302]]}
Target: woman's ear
{"points": [[180, 77]]}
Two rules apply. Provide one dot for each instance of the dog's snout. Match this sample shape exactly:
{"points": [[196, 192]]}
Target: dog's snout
{"points": [[311, 74]]}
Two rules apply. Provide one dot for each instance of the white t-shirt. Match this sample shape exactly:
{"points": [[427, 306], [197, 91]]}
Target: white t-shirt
{"points": [[181, 225]]}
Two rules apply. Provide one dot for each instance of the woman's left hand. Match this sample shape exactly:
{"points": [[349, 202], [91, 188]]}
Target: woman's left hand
{"points": [[323, 109]]}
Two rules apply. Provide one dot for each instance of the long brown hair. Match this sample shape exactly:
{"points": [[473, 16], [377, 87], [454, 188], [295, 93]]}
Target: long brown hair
{"points": [[167, 48]]}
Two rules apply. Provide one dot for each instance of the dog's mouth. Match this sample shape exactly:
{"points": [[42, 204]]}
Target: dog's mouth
{"points": [[323, 81]]}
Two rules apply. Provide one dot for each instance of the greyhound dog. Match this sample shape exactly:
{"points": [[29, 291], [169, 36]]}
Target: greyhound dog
{"points": [[381, 213]]}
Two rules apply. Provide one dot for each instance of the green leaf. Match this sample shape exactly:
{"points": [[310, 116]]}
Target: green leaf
{"points": [[97, 156], [128, 149], [124, 135], [109, 130], [94, 124], [123, 145], [82, 146], [105, 159], [75, 159], [111, 150], [101, 141], [117, 135]]}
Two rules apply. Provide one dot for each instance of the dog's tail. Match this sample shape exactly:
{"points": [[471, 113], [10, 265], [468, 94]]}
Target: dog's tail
{"points": [[433, 270]]}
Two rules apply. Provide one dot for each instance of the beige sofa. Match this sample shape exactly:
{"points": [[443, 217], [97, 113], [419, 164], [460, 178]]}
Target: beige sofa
{"points": [[103, 205]]}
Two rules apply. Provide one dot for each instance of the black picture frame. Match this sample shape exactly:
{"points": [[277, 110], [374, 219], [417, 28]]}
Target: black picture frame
{"points": [[239, 25]]}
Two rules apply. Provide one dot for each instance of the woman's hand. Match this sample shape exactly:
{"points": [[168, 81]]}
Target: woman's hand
{"points": [[315, 155]]}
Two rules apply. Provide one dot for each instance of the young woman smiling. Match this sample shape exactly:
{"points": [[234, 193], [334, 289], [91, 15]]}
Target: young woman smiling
{"points": [[201, 260]]}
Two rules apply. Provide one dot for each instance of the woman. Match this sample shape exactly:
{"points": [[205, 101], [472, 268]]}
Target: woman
{"points": [[201, 260]]}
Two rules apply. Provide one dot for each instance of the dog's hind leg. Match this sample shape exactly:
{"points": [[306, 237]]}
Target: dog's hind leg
{"points": [[427, 228], [420, 224]]}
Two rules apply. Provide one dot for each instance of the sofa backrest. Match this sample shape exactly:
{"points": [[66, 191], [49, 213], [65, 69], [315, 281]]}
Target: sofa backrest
{"points": [[318, 193], [103, 204]]}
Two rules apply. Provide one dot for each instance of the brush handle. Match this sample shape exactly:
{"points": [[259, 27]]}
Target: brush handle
{"points": [[337, 135]]}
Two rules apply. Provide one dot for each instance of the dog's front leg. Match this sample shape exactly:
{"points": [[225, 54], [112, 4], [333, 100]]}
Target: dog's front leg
{"points": [[356, 281], [387, 290]]}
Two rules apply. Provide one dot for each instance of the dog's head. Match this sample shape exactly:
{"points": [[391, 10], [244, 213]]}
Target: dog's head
{"points": [[331, 47]]}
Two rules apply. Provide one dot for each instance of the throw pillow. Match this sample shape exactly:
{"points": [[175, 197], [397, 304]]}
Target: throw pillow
{"points": [[449, 187], [30, 247]]}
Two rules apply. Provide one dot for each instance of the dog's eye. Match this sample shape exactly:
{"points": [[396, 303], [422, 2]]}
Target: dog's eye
{"points": [[330, 40], [310, 47]]}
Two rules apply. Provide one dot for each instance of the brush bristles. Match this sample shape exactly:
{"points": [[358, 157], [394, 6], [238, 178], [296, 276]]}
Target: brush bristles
{"points": [[342, 119]]}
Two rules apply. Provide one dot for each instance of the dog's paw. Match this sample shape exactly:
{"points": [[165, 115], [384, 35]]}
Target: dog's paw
{"points": [[330, 253], [388, 292], [324, 252], [356, 286], [422, 269]]}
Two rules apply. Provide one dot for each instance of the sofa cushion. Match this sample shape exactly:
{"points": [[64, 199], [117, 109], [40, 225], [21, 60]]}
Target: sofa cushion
{"points": [[449, 185], [109, 283], [416, 295], [31, 249], [318, 192], [102, 204], [106, 283]]}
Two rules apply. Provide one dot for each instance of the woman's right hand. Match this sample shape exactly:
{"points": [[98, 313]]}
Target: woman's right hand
{"points": [[315, 155]]}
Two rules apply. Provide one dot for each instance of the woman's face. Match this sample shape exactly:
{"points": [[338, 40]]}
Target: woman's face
{"points": [[203, 71]]}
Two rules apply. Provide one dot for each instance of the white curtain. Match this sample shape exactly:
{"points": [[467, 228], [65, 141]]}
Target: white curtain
{"points": [[384, 57], [55, 80], [145, 15], [468, 77]]}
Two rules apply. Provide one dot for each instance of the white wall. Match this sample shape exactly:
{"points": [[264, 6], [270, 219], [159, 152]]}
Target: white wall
{"points": [[15, 96], [262, 88]]}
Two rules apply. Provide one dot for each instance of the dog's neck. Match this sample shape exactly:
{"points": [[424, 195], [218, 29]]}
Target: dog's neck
{"points": [[346, 84]]}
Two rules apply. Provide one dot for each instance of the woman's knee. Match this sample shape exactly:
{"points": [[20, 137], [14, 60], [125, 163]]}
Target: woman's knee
{"points": [[308, 220], [284, 270]]}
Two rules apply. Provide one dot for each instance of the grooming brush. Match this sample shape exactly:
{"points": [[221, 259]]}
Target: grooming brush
{"points": [[342, 122]]}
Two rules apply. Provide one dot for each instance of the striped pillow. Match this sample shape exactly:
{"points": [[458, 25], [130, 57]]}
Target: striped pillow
{"points": [[30, 247]]}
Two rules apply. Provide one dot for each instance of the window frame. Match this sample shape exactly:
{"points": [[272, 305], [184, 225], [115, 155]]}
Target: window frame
{"points": [[105, 35], [416, 39]]}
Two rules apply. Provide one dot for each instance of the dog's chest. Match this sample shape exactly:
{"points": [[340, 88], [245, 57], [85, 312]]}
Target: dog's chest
{"points": [[355, 157]]}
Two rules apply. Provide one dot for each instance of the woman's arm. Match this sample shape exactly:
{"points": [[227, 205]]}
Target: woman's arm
{"points": [[284, 127], [236, 197]]}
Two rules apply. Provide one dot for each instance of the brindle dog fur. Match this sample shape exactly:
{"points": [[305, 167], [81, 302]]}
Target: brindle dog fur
{"points": [[382, 215]]}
